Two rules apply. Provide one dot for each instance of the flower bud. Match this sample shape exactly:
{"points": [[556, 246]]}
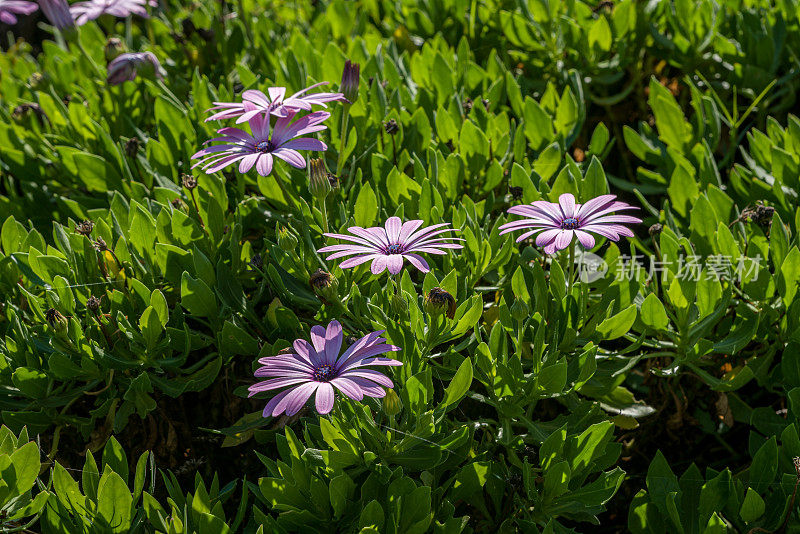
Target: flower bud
{"points": [[132, 147], [93, 304], [392, 405], [318, 184], [57, 322], [188, 181], [350, 78], [127, 66], [399, 304], [84, 228], [439, 301], [520, 310], [655, 229], [324, 285], [100, 244], [286, 239], [391, 127], [114, 48]]}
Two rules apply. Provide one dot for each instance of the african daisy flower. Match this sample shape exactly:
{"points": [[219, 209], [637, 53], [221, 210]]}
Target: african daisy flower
{"points": [[558, 223], [273, 104], [259, 148], [317, 367], [83, 12], [57, 13], [387, 247], [10, 8]]}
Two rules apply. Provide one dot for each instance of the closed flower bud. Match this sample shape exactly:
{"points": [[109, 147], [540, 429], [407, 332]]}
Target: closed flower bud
{"points": [[391, 127], [127, 66], [392, 405], [100, 244], [188, 181], [318, 182], [57, 322], [114, 48], [93, 303], [84, 228], [655, 229], [324, 285], [520, 310], [286, 239], [350, 78], [439, 301]]}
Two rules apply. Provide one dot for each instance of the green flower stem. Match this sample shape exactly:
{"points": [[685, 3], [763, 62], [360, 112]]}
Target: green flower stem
{"points": [[343, 139], [571, 267]]}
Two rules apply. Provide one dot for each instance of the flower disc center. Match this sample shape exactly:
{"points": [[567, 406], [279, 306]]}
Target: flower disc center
{"points": [[394, 249], [570, 223], [324, 373], [264, 147]]}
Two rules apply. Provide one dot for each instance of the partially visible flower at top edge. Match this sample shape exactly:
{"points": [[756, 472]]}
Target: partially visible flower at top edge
{"points": [[57, 12], [386, 247], [127, 66], [558, 223], [275, 103], [259, 148], [88, 10], [317, 367], [350, 78], [10, 8]]}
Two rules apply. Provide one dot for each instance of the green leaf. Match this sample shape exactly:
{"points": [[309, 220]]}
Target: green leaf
{"points": [[366, 208], [653, 313], [114, 503], [197, 297], [459, 385], [619, 324], [752, 507]]}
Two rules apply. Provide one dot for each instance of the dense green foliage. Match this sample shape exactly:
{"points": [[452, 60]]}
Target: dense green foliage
{"points": [[654, 402]]}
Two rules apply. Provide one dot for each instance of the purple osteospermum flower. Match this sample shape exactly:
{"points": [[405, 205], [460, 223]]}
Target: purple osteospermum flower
{"points": [[57, 12], [558, 223], [318, 367], [386, 247], [83, 12], [10, 8], [258, 149], [273, 104], [125, 67]]}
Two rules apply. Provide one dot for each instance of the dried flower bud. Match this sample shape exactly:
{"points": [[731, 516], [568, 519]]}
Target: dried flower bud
{"points": [[333, 180], [324, 285], [467, 105], [100, 244], [84, 228], [391, 127], [578, 155], [257, 262], [516, 192], [655, 229], [439, 301], [759, 214], [520, 310], [114, 48], [318, 183], [286, 239], [350, 78], [22, 111], [132, 147], [93, 303], [392, 405], [188, 181], [57, 322], [178, 204]]}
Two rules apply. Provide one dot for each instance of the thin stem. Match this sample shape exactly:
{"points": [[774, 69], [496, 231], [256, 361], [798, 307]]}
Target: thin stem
{"points": [[342, 138], [245, 20], [571, 266], [323, 207], [196, 208]]}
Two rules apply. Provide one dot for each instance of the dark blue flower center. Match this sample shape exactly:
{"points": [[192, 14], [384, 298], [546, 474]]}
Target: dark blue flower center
{"points": [[264, 147], [570, 223], [324, 373], [394, 249]]}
